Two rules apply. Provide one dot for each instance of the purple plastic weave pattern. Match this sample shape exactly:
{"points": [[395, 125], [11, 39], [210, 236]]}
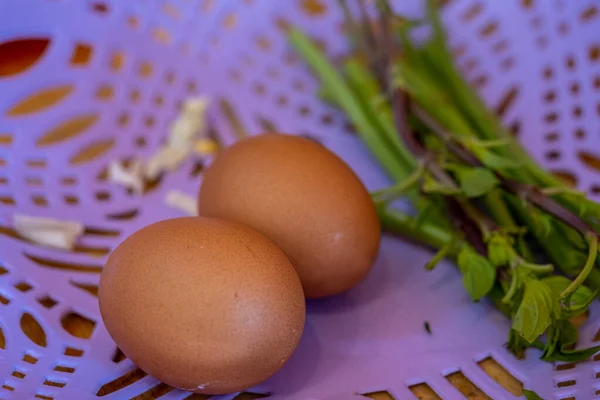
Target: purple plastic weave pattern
{"points": [[116, 73]]}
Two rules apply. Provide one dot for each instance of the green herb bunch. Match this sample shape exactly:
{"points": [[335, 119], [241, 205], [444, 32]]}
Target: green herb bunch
{"points": [[519, 236]]}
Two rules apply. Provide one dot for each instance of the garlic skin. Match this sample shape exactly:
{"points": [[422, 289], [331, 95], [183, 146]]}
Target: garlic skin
{"points": [[189, 126], [182, 201], [48, 231], [131, 177]]}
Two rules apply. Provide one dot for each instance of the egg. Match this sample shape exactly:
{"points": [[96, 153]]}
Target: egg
{"points": [[201, 304], [302, 197]]}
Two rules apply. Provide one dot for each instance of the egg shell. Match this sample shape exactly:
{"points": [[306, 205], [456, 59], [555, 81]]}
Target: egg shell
{"points": [[202, 304], [304, 198]]}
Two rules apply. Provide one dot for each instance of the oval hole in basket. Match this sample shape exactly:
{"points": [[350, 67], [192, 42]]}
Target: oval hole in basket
{"points": [[40, 101], [489, 29], [251, 396], [17, 56], [43, 397], [267, 125], [501, 375], [68, 130], [466, 387], [527, 4], [82, 55], [162, 36], [145, 69], [105, 93], [91, 289], [424, 391], [7, 200], [121, 382], [207, 5], [23, 286], [589, 159], [33, 330], [379, 395], [263, 43], [507, 101], [118, 356], [39, 200], [48, 263], [47, 302], [232, 118], [117, 61], [313, 8], [124, 215], [73, 352], [6, 139], [589, 13], [472, 12], [64, 369], [230, 21], [95, 231], [135, 96], [78, 325], [171, 10], [100, 8], [18, 374], [154, 392], [56, 384], [566, 177], [29, 359], [133, 21], [92, 151], [2, 339]]}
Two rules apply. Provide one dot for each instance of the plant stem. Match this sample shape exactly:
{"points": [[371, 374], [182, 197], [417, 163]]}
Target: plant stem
{"points": [[423, 232], [592, 239]]}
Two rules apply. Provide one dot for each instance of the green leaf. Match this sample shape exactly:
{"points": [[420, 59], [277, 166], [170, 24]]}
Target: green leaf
{"points": [[569, 335], [500, 250], [494, 161], [558, 284], [517, 345], [478, 274], [572, 235], [540, 305], [432, 186], [542, 224], [475, 182], [530, 395], [572, 355]]}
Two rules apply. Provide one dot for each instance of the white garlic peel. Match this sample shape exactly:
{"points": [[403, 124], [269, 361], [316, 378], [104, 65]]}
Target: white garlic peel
{"points": [[130, 177], [182, 201], [167, 158], [48, 231], [189, 126]]}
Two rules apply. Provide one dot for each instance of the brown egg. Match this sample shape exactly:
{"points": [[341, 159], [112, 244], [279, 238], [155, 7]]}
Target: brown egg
{"points": [[202, 304], [305, 199]]}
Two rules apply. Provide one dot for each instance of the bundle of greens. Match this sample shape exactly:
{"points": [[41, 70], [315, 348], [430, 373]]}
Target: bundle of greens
{"points": [[519, 236]]}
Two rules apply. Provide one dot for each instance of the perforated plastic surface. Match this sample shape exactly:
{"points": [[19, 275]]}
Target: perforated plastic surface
{"points": [[115, 74]]}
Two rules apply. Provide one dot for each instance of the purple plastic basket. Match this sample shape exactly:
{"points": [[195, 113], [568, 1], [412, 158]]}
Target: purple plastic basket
{"points": [[118, 72]]}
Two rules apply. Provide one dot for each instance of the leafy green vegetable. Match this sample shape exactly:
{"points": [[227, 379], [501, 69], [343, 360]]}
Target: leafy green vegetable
{"points": [[478, 273], [472, 184], [529, 395], [540, 305], [500, 250], [475, 182], [558, 284]]}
